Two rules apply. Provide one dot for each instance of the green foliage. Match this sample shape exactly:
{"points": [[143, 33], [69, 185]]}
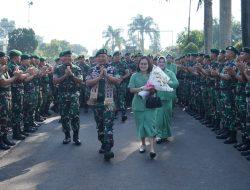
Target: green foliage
{"points": [[144, 26], [114, 39], [7, 26], [196, 37], [191, 48], [23, 39], [53, 48]]}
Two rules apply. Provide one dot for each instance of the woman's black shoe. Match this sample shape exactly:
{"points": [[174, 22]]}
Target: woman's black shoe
{"points": [[152, 155], [7, 141]]}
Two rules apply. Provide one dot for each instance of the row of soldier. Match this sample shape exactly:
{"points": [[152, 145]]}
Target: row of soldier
{"points": [[215, 89], [27, 91]]}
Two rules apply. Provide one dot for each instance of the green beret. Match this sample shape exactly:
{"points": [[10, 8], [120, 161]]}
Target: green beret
{"points": [[34, 56], [25, 57], [63, 53], [233, 49], [101, 51], [222, 51], [117, 53], [14, 53], [127, 54], [207, 56], [169, 56], [2, 54], [215, 51], [194, 54], [42, 59], [81, 57], [245, 50], [201, 54]]}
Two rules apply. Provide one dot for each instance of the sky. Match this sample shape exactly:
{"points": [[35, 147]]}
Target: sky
{"points": [[83, 21]]}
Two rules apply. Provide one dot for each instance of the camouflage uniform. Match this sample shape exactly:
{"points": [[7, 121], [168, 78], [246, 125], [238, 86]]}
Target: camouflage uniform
{"points": [[45, 94], [120, 89], [83, 89], [68, 92], [17, 101], [29, 102], [228, 98], [104, 115], [5, 105]]}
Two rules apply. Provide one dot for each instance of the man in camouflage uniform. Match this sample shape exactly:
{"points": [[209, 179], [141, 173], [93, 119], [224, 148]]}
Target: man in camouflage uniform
{"points": [[29, 98], [45, 71], [170, 64], [54, 87], [132, 69], [101, 78], [83, 89], [68, 77], [17, 95], [120, 89], [5, 102], [228, 95], [244, 102], [35, 61]]}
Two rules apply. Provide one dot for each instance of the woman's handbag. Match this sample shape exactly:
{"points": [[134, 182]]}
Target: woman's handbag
{"points": [[153, 102]]}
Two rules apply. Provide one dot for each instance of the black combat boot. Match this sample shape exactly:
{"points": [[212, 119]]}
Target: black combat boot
{"points": [[67, 139], [17, 134], [7, 141], [224, 135], [232, 138], [108, 155], [245, 153], [2, 145], [76, 138], [124, 118]]}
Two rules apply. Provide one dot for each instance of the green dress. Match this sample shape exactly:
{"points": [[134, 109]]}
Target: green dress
{"points": [[144, 117], [164, 113]]}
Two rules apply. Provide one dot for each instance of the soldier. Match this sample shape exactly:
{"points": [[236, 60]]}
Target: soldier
{"points": [[5, 101], [170, 64], [120, 89], [242, 94], [101, 79], [45, 85], [83, 89], [55, 106], [227, 85], [68, 77], [132, 69], [17, 95], [29, 98]]}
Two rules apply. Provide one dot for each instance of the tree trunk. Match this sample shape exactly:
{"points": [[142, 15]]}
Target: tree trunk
{"points": [[225, 23], [208, 25], [142, 41], [245, 22]]}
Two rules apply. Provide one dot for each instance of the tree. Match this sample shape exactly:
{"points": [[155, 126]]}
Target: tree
{"points": [[79, 49], [8, 26], [196, 37], [144, 26], [225, 23], [208, 25], [190, 48], [23, 39], [245, 21], [236, 32], [114, 38]]}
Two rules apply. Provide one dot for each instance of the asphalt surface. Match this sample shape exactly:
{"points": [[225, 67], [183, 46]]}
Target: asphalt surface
{"points": [[194, 160]]}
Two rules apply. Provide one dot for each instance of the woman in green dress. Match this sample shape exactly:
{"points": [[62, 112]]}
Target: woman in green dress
{"points": [[144, 117], [164, 113]]}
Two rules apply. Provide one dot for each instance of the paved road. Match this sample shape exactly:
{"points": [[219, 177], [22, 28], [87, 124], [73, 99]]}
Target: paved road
{"points": [[195, 160]]}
